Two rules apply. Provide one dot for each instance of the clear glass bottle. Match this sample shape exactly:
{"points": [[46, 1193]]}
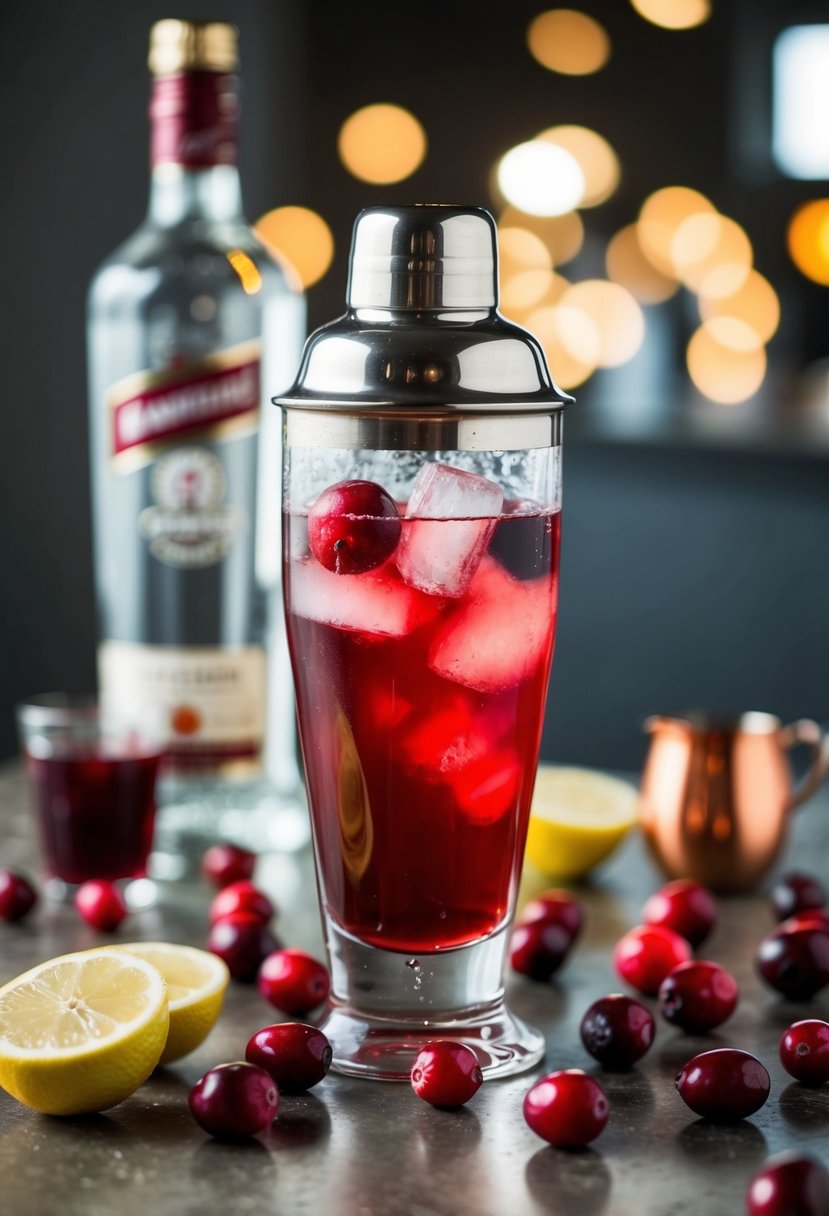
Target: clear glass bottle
{"points": [[191, 328]]}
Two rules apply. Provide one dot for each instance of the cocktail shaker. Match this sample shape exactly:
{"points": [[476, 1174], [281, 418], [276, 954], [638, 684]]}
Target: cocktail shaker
{"points": [[422, 495]]}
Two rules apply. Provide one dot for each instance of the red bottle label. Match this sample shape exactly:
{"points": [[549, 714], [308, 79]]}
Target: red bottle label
{"points": [[194, 118], [212, 399]]}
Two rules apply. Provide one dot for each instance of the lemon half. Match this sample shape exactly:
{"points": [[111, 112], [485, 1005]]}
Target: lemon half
{"points": [[196, 983], [578, 817], [81, 1032]]}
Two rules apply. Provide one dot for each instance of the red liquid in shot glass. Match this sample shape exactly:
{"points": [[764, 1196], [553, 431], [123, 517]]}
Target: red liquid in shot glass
{"points": [[95, 813]]}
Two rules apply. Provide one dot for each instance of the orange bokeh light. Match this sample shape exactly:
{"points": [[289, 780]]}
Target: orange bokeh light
{"points": [[566, 41], [808, 240], [626, 264]]}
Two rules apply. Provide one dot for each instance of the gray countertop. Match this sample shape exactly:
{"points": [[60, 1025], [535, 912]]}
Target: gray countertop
{"points": [[363, 1148]]}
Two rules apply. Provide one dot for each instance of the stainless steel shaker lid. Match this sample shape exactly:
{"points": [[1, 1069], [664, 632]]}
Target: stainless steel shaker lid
{"points": [[422, 335]]}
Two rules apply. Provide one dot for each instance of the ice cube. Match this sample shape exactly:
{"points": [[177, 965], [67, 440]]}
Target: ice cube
{"points": [[449, 521], [442, 738], [497, 637], [488, 787], [378, 602]]}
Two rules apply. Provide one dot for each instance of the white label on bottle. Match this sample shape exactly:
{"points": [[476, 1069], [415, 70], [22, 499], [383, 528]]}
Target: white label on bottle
{"points": [[213, 699]]}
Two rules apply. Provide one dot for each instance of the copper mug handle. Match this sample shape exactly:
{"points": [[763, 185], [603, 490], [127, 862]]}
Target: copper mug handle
{"points": [[809, 734]]}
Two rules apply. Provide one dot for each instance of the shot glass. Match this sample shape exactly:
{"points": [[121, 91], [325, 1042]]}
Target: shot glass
{"points": [[92, 773]]}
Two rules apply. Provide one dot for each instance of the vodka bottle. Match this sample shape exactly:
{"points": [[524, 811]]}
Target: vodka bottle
{"points": [[192, 328]]}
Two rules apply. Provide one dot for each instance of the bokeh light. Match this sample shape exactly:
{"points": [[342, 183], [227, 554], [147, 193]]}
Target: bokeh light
{"points": [[570, 341], [541, 178], [614, 315], [808, 240], [562, 234], [755, 303], [520, 249], [382, 144], [660, 217], [523, 290], [569, 42], [711, 254], [721, 372], [595, 157], [674, 14], [300, 236], [626, 264]]}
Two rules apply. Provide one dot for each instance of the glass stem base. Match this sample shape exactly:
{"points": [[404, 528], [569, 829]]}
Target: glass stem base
{"points": [[385, 1006]]}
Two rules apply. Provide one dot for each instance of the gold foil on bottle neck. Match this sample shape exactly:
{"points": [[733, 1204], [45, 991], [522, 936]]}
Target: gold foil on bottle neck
{"points": [[192, 46]]}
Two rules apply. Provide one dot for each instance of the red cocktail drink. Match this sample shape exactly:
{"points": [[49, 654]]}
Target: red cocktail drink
{"points": [[422, 717]]}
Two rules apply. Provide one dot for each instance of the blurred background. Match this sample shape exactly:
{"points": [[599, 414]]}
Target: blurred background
{"points": [[660, 173]]}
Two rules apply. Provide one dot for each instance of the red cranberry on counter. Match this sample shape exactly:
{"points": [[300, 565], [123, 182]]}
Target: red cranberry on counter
{"points": [[353, 526], [795, 961], [684, 906], [293, 981], [796, 892], [234, 1101], [557, 907], [698, 996], [617, 1030], [538, 949], [17, 895], [809, 918], [241, 896], [645, 955], [724, 1084], [101, 904], [223, 864], [789, 1184], [567, 1108], [446, 1073], [804, 1051], [296, 1056], [243, 942]]}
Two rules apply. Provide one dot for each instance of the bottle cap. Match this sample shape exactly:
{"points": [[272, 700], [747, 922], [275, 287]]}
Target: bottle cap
{"points": [[192, 46]]}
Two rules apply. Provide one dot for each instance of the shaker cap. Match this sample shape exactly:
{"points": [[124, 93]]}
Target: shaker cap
{"points": [[422, 336], [426, 256]]}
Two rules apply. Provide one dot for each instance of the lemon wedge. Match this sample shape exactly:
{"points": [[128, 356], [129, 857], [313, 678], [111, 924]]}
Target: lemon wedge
{"points": [[81, 1032], [577, 818], [196, 983]]}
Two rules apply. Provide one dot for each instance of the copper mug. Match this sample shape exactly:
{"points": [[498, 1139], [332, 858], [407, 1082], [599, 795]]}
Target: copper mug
{"points": [[716, 794]]}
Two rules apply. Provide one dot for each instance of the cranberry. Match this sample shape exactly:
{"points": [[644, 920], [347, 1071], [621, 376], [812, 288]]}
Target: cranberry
{"points": [[645, 955], [101, 904], [234, 1101], [17, 896], [684, 906], [790, 1184], [795, 961], [724, 1084], [353, 527], [243, 942], [698, 996], [241, 896], [446, 1073], [804, 1051], [567, 1108], [809, 918], [556, 907], [293, 981], [226, 863], [795, 893], [617, 1030], [537, 950], [297, 1056]]}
